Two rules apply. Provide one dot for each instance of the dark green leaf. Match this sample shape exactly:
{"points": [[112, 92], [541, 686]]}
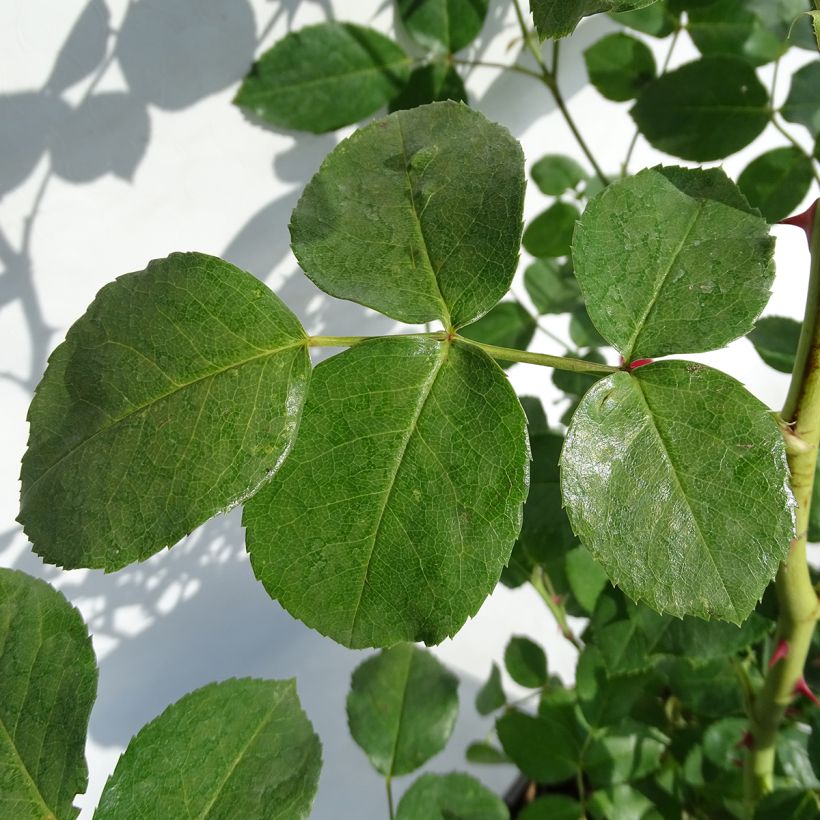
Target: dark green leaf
{"points": [[581, 330], [786, 19], [619, 65], [418, 215], [707, 183], [552, 807], [604, 700], [323, 77], [446, 25], [703, 110], [526, 662], [576, 384], [553, 288], [433, 82], [558, 18], [483, 753], [796, 804], [240, 748], [621, 754], [708, 689], [48, 680], [450, 797], [174, 398], [401, 501], [402, 708], [721, 741], [550, 233], [491, 695], [777, 181], [536, 417], [688, 453], [623, 802], [508, 324], [803, 102], [775, 339], [586, 577], [657, 19], [555, 173], [665, 272]]}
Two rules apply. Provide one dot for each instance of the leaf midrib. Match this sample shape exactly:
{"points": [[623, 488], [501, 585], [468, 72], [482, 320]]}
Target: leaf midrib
{"points": [[49, 814], [402, 707]]}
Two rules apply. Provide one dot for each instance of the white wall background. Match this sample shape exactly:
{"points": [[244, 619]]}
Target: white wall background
{"points": [[119, 145]]}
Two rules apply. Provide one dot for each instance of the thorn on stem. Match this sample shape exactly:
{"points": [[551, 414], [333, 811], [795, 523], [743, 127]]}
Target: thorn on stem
{"points": [[804, 220], [802, 688], [779, 653], [636, 363]]}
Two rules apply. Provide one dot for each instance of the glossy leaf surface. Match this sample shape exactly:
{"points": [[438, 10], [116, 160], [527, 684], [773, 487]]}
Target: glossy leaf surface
{"points": [[450, 797], [777, 181], [172, 399], [402, 708], [444, 25], [48, 677], [706, 460], [397, 509], [418, 215], [240, 748]]}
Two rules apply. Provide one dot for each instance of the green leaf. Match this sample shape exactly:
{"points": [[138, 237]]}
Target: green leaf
{"points": [[793, 757], [619, 65], [418, 215], [508, 324], [775, 339], [550, 233], [786, 19], [708, 689], [48, 677], [688, 454], [453, 796], [721, 741], [397, 509], [707, 183], [240, 748], [484, 753], [491, 695], [657, 19], [703, 110], [402, 708], [554, 174], [581, 330], [576, 384], [526, 662], [796, 804], [553, 288], [433, 82], [803, 102], [586, 577], [446, 25], [621, 754], [558, 18], [175, 397], [624, 802], [552, 807], [323, 77], [665, 272], [604, 700], [777, 181]]}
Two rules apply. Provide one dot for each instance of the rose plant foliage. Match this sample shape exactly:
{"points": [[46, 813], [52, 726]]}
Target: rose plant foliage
{"points": [[388, 489]]}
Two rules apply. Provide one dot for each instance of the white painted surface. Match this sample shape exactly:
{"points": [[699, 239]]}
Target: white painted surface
{"points": [[149, 157]]}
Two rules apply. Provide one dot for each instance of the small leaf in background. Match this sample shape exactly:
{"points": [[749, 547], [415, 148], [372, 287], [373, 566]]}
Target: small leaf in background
{"points": [[721, 741], [656, 20], [627, 752], [576, 384], [434, 82], [622, 801], [443, 25], [402, 708], [581, 330], [552, 807], [526, 662], [558, 18], [172, 399], [794, 758], [508, 324], [417, 215], [554, 174], [536, 417], [619, 65], [586, 577], [371, 532], [491, 695], [803, 102], [786, 19], [777, 181], [796, 804], [230, 749], [708, 689], [484, 753], [550, 233], [700, 454], [450, 797], [703, 110], [48, 677], [552, 287], [775, 339], [323, 77], [663, 271]]}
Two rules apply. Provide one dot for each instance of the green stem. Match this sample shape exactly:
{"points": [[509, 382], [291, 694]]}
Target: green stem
{"points": [[351, 341], [389, 787], [543, 586], [518, 69], [797, 599]]}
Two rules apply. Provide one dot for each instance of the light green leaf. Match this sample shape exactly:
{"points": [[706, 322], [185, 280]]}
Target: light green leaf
{"points": [[402, 708], [526, 662], [450, 797], [553, 288], [508, 324], [775, 339], [429, 83], [619, 65], [657, 19], [397, 509], [174, 398], [586, 577], [555, 173], [484, 753], [418, 215], [48, 680], [777, 181], [323, 77], [558, 18], [552, 807], [665, 272], [240, 748], [703, 110], [550, 233], [491, 695], [445, 25], [675, 478], [803, 102]]}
